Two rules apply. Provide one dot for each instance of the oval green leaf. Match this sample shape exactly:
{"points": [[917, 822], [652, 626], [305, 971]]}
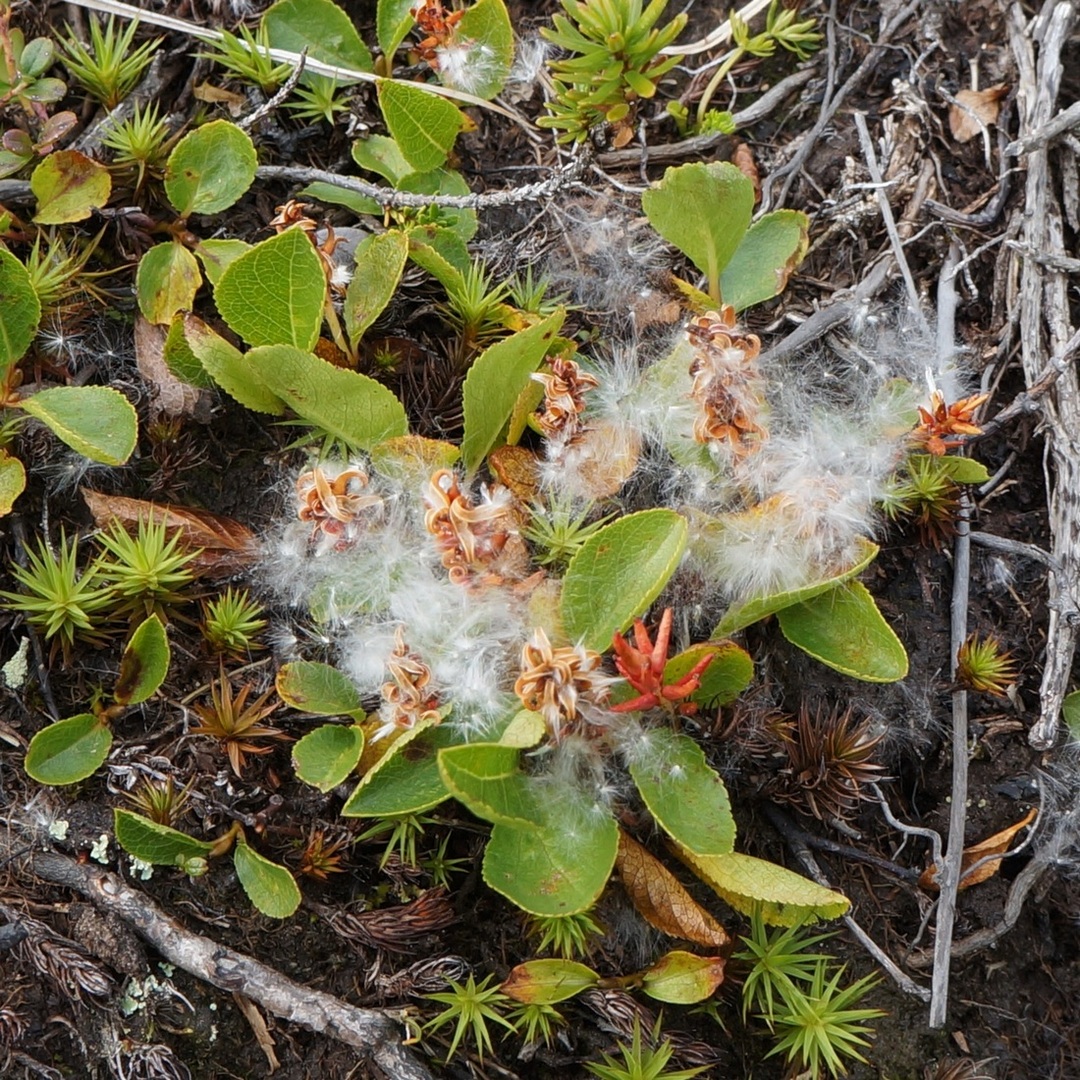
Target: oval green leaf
{"points": [[704, 210], [380, 261], [210, 168], [12, 481], [407, 779], [346, 404], [318, 688], [269, 886], [97, 421], [786, 899], [758, 608], [556, 867], [68, 751], [486, 778], [683, 978], [844, 629], [21, 307], [547, 982], [380, 154], [274, 294], [618, 573], [320, 27], [166, 282], [145, 663], [69, 186], [228, 367], [684, 794], [422, 124], [729, 672], [326, 756], [154, 843], [496, 378], [771, 249]]}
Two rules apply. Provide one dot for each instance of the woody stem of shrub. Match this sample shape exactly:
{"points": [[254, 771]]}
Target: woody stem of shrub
{"points": [[949, 871], [373, 1033]]}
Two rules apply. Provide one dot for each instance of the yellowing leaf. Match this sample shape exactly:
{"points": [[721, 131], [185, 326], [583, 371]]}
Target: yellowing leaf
{"points": [[660, 898], [998, 844], [786, 899]]}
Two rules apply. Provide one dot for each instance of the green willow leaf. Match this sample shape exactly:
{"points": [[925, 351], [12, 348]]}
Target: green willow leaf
{"points": [[97, 421], [154, 843], [144, 664], [407, 779], [326, 756], [393, 21], [210, 168], [380, 260], [21, 310], [166, 282], [68, 751], [318, 688], [269, 886], [771, 249], [704, 210], [844, 629], [487, 38], [352, 407], [275, 293], [557, 866], [496, 378], [684, 794], [759, 607], [619, 571], [229, 368], [323, 29], [423, 124]]}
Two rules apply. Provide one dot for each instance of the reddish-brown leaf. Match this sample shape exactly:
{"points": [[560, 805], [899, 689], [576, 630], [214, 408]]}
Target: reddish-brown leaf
{"points": [[660, 898], [227, 546]]}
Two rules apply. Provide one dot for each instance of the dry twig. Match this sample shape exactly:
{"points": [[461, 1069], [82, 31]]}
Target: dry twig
{"points": [[1045, 326], [371, 1032]]}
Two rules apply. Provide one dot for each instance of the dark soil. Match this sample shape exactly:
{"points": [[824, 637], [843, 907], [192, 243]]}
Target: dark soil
{"points": [[1012, 1007]]}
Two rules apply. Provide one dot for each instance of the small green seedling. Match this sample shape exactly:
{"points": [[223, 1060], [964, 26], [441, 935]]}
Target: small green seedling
{"points": [[71, 750]]}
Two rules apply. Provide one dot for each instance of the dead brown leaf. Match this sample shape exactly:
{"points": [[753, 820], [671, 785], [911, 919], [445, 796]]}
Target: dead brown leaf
{"points": [[653, 308], [973, 106], [742, 157], [998, 844], [216, 95], [170, 395], [226, 545], [260, 1030], [518, 470], [661, 900]]}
